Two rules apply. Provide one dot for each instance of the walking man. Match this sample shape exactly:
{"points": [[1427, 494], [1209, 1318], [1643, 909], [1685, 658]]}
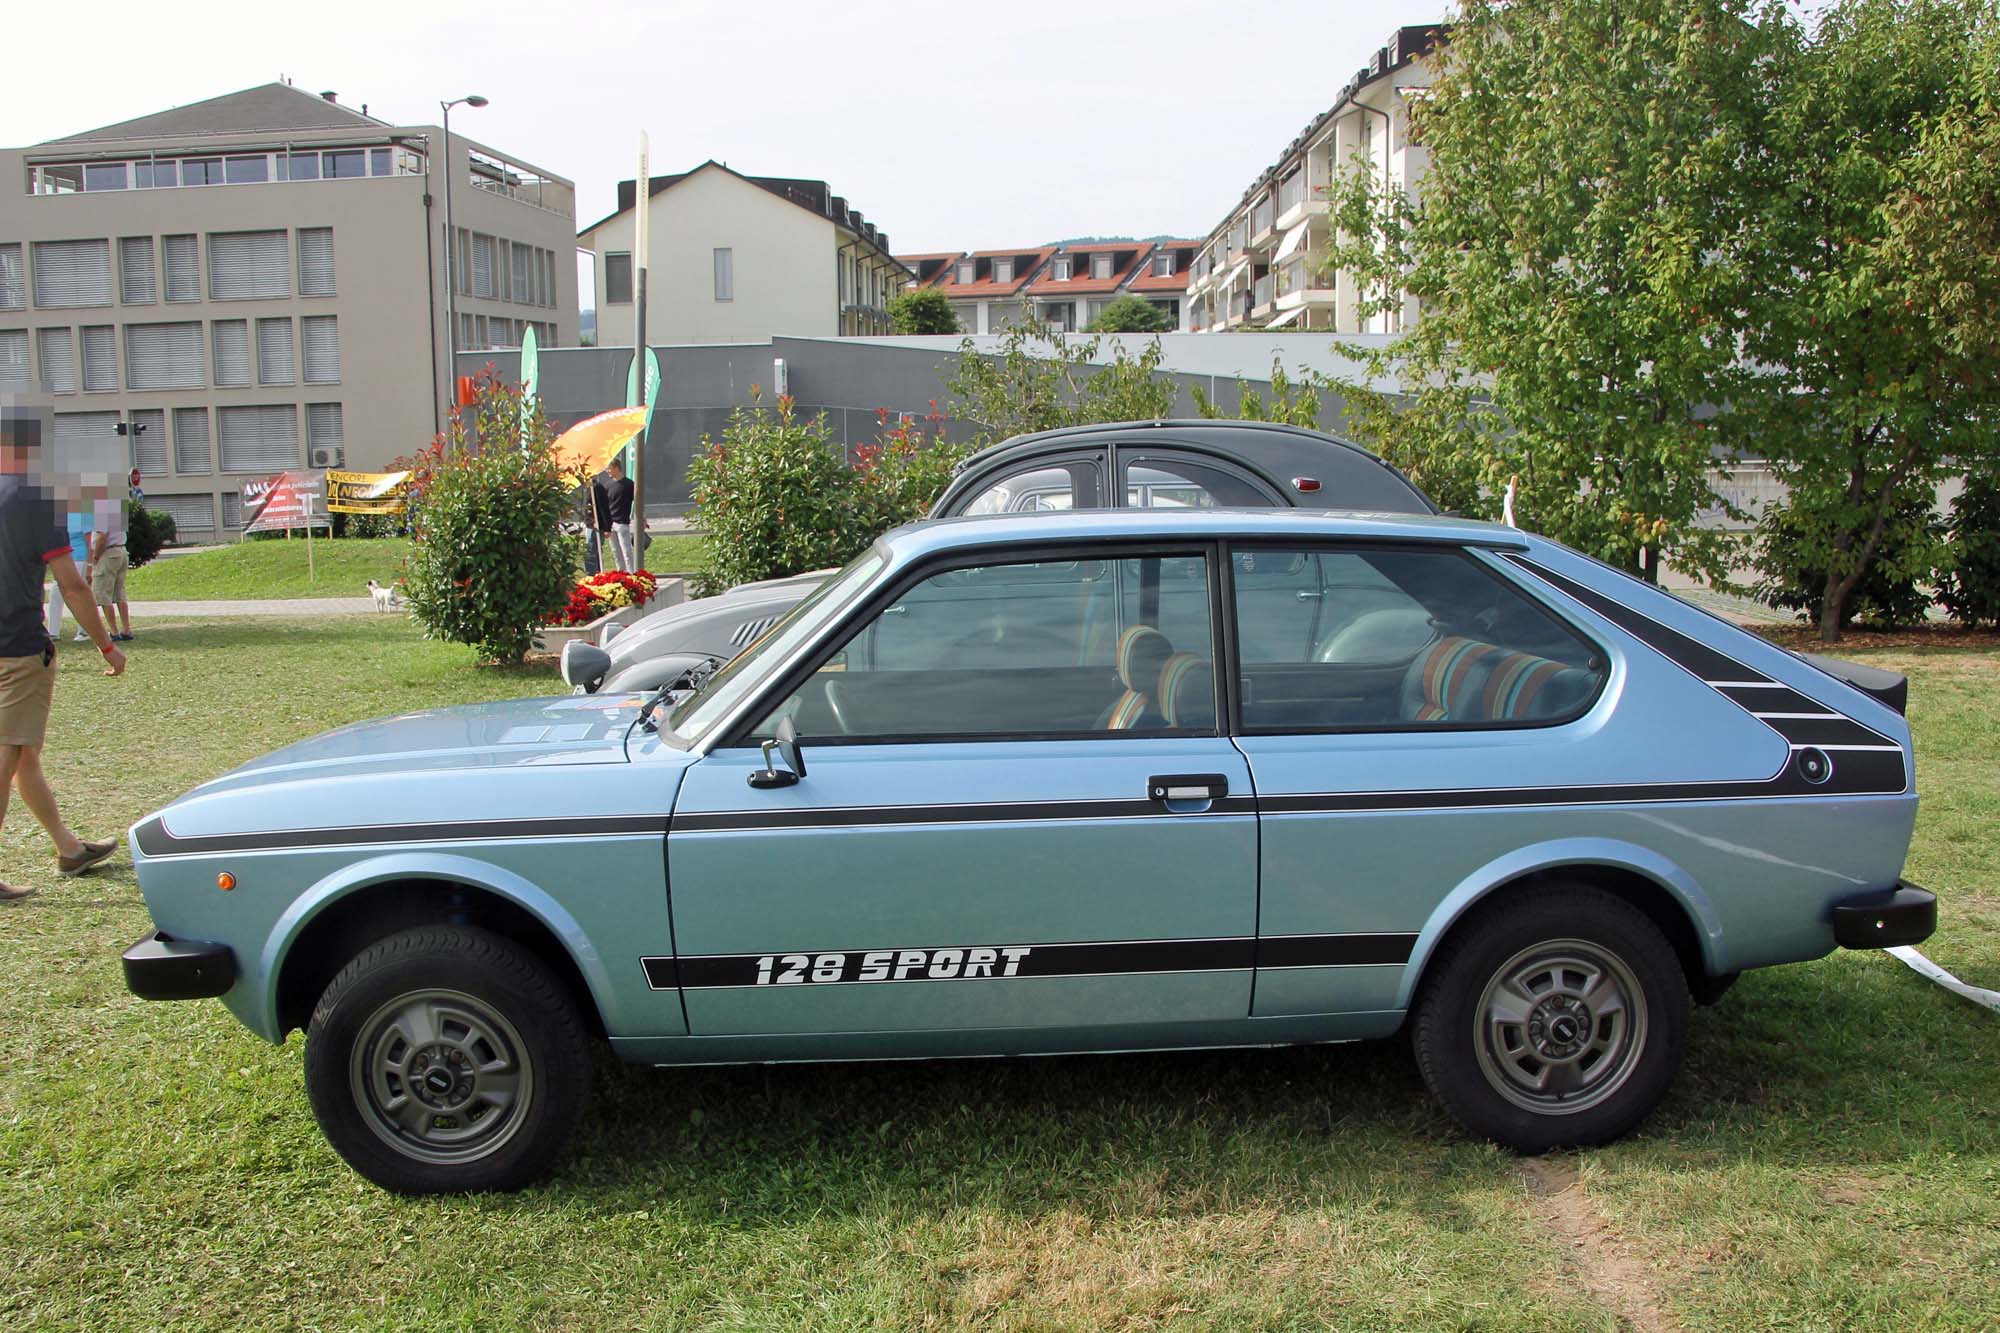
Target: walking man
{"points": [[620, 492], [32, 539], [108, 563]]}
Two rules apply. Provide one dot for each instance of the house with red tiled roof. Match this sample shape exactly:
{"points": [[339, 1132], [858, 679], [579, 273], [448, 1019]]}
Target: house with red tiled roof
{"points": [[1163, 278], [987, 287], [1080, 280]]}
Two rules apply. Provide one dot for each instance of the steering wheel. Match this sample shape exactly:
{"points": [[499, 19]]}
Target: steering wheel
{"points": [[833, 707]]}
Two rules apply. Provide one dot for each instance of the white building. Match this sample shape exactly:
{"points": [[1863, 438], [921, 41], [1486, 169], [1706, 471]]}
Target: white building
{"points": [[736, 258], [1262, 265]]}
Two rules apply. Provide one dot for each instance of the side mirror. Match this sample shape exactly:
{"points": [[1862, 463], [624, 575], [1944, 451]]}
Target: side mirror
{"points": [[784, 744]]}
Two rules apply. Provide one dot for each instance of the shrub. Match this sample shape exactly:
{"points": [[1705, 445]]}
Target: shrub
{"points": [[1969, 573], [146, 532], [899, 476], [923, 311], [1132, 314], [1041, 379], [488, 563], [773, 497], [1794, 555]]}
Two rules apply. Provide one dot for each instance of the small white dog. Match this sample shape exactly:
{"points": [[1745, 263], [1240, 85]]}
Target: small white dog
{"points": [[385, 598]]}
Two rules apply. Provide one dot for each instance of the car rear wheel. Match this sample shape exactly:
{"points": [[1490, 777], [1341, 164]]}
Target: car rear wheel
{"points": [[1555, 1020], [447, 1060]]}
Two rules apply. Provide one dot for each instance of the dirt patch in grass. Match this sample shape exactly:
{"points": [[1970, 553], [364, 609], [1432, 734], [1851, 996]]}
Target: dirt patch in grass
{"points": [[1805, 639], [1608, 1266]]}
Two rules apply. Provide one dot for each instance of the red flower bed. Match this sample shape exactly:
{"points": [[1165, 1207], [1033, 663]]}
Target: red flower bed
{"points": [[603, 593]]}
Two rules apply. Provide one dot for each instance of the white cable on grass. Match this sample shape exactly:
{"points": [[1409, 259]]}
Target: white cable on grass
{"points": [[1924, 967]]}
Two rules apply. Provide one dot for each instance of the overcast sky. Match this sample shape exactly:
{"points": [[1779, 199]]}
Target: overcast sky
{"points": [[951, 126]]}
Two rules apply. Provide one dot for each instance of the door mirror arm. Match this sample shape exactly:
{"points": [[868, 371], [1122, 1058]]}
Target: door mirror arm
{"points": [[784, 744]]}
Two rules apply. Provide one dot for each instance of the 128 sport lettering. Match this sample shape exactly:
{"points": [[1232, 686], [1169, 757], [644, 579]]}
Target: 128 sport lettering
{"points": [[791, 969]]}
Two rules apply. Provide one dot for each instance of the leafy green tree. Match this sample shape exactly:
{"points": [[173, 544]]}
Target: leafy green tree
{"points": [[1792, 553], [773, 497], [1294, 402], [1872, 347], [1574, 257], [488, 564], [1043, 379], [922, 311], [1132, 314], [147, 531], [1969, 579]]}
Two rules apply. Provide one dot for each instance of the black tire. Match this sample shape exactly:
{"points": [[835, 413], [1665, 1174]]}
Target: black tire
{"points": [[447, 1060], [1511, 997]]}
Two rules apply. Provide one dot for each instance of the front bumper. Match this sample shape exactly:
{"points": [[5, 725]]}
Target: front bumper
{"points": [[1905, 914], [161, 967]]}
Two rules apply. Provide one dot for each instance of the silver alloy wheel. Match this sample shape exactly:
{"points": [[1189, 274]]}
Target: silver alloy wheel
{"points": [[441, 1076], [1560, 1027]]}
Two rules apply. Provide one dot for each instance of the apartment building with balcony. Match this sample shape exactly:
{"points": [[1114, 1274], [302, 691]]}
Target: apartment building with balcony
{"points": [[1065, 286], [257, 282], [735, 258], [1264, 266], [1163, 278]]}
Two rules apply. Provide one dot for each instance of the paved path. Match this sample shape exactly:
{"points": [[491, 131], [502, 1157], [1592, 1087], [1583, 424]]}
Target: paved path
{"points": [[303, 607]]}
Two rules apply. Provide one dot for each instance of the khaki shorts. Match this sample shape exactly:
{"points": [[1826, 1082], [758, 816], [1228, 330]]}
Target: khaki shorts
{"points": [[26, 687], [107, 577]]}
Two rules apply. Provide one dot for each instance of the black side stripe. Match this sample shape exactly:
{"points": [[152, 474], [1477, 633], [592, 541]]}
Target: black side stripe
{"points": [[155, 839], [997, 812], [1027, 961]]}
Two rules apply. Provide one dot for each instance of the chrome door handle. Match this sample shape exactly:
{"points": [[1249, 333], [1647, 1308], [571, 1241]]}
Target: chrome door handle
{"points": [[1187, 787], [1308, 595]]}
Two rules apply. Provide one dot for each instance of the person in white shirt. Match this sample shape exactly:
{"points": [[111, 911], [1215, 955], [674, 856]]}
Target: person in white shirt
{"points": [[108, 563]]}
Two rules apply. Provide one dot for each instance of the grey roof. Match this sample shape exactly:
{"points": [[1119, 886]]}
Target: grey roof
{"points": [[269, 107]]}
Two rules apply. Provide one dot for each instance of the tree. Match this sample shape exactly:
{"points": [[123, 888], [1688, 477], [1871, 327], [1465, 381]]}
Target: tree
{"points": [[1574, 258], [1132, 314], [1872, 367], [488, 563], [1043, 379], [1294, 403], [922, 311]]}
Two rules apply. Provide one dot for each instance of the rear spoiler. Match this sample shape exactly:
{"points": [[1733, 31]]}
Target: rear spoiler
{"points": [[1890, 688]]}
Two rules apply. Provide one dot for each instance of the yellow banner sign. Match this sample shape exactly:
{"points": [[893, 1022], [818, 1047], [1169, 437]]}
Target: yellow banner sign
{"points": [[366, 492]]}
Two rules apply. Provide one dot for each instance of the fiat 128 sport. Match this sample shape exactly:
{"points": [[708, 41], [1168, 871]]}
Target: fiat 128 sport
{"points": [[1063, 782]]}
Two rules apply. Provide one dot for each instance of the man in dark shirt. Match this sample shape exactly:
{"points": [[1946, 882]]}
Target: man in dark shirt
{"points": [[619, 491], [32, 540], [600, 521]]}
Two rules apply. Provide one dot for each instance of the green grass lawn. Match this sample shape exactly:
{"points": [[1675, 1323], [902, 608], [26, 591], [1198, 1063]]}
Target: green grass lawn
{"points": [[1830, 1157], [259, 569]]}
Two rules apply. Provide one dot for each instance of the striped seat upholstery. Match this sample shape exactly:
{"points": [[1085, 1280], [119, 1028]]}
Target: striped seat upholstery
{"points": [[1187, 691], [1465, 680], [1143, 653]]}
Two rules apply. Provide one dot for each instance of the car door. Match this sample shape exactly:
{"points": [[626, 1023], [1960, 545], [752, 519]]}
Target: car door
{"points": [[1003, 824]]}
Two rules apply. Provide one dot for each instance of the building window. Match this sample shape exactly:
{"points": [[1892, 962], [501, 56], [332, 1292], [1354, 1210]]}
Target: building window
{"points": [[69, 274], [104, 176], [482, 265], [100, 359], [324, 435], [86, 434], [347, 164], [191, 442], [232, 353], [966, 270], [1060, 269], [319, 336], [258, 439], [149, 441], [1163, 264], [247, 170], [136, 282], [299, 167], [275, 364], [13, 359], [316, 261], [1100, 267], [249, 265], [13, 281], [57, 351], [522, 272], [183, 268], [1003, 270], [156, 175], [618, 278], [378, 162], [725, 274], [190, 513], [163, 356], [201, 171]]}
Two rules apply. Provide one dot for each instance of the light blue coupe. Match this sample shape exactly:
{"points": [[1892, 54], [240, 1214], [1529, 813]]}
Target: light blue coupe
{"points": [[1063, 782]]}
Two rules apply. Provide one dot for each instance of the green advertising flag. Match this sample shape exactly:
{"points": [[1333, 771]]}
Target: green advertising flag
{"points": [[652, 386], [531, 377]]}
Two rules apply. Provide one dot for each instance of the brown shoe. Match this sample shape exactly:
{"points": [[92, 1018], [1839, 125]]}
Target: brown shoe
{"points": [[92, 853], [10, 894]]}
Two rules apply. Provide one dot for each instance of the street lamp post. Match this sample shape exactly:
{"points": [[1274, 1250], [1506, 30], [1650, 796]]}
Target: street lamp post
{"points": [[451, 247]]}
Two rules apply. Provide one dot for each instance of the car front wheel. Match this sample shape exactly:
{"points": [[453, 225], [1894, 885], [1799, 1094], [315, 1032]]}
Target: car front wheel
{"points": [[1555, 1020], [446, 1060]]}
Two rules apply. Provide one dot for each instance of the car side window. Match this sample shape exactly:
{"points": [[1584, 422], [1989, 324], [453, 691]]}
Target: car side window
{"points": [[1166, 482], [1022, 650], [1071, 485], [1399, 638]]}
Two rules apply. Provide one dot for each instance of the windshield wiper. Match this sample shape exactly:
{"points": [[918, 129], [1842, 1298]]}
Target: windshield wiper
{"points": [[680, 687]]}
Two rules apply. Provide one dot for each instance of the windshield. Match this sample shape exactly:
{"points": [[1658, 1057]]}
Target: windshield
{"points": [[728, 687]]}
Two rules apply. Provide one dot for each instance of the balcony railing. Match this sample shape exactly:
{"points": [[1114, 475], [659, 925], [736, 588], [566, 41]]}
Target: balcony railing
{"points": [[1265, 290], [1292, 192], [1260, 217]]}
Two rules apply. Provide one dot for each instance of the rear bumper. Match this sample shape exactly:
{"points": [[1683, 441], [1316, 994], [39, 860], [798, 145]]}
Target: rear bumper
{"points": [[160, 967], [1905, 914]]}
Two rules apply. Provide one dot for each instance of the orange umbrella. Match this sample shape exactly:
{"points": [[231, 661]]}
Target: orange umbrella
{"points": [[591, 443]]}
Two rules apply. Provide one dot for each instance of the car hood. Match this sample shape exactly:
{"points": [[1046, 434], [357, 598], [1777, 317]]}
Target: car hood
{"points": [[719, 626], [567, 729]]}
